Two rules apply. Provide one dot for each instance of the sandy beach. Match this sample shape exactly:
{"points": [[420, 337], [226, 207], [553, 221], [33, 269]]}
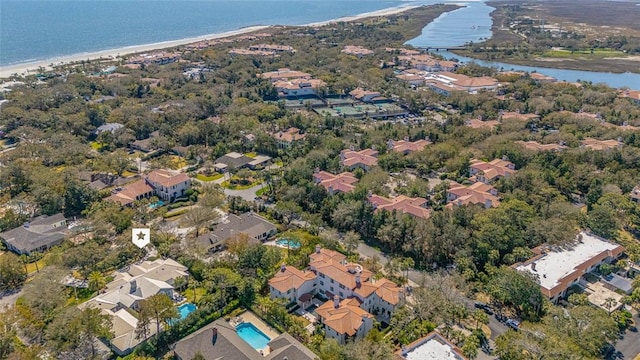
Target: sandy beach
{"points": [[32, 67]]}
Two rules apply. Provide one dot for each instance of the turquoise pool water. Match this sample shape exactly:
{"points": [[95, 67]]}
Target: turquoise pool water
{"points": [[184, 310], [290, 243], [252, 335], [156, 204]]}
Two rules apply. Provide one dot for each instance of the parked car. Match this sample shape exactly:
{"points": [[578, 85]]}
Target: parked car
{"points": [[514, 324], [483, 306]]}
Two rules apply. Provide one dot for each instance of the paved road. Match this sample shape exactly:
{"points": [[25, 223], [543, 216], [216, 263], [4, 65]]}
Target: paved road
{"points": [[10, 299], [417, 277], [247, 194], [628, 347]]}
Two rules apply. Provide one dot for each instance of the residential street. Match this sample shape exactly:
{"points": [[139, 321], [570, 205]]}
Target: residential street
{"points": [[416, 278], [628, 347]]}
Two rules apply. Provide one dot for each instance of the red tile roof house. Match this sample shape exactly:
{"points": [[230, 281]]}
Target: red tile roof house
{"points": [[364, 95], [334, 278], [478, 193], [284, 74], [402, 204], [358, 51], [287, 138], [406, 147], [364, 159], [488, 172], [163, 183], [341, 183], [298, 87]]}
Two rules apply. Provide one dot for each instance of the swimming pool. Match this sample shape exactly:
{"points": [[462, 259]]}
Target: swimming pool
{"points": [[184, 310], [156, 204], [252, 335], [288, 243]]}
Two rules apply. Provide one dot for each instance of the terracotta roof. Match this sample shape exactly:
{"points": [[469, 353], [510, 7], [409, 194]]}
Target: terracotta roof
{"points": [[359, 93], [342, 182], [403, 204], [356, 50], [290, 278], [478, 193], [536, 146], [366, 157], [469, 82], [512, 115], [325, 255], [478, 124], [596, 144], [494, 169], [345, 319], [166, 178], [405, 146], [631, 94], [131, 192], [290, 135], [295, 84], [284, 73]]}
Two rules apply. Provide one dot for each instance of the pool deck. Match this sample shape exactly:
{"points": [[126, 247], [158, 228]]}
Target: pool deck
{"points": [[259, 323]]}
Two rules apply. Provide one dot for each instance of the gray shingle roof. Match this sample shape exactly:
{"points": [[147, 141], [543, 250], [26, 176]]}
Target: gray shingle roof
{"points": [[38, 232], [249, 223], [227, 345]]}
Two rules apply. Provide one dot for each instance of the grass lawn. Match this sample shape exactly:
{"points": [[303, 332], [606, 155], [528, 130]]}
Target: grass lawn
{"points": [[83, 295], [203, 177], [188, 294], [252, 155], [127, 173], [565, 53], [177, 162], [31, 267], [227, 185], [279, 163], [96, 145], [175, 212], [262, 191]]}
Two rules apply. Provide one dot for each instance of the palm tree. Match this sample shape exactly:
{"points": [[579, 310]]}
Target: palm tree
{"points": [[96, 281], [609, 303]]}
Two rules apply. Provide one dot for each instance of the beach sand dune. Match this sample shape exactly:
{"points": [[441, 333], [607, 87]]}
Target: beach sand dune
{"points": [[32, 67]]}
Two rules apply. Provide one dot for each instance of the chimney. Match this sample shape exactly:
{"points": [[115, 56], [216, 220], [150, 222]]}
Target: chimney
{"points": [[336, 301], [352, 148], [26, 224], [318, 247], [390, 144], [373, 147], [214, 335], [134, 287], [406, 139], [358, 279], [316, 170], [487, 203], [505, 158], [283, 267]]}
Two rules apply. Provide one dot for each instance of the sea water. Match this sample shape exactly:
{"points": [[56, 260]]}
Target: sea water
{"points": [[32, 30]]}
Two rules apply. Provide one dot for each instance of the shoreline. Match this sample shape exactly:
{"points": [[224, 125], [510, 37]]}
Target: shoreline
{"points": [[24, 69]]}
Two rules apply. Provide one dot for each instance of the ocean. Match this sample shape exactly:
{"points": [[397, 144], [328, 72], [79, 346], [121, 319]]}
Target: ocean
{"points": [[33, 30]]}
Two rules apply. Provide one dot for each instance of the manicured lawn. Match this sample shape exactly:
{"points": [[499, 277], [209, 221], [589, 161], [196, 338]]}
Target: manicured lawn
{"points": [[252, 155], [31, 267], [175, 212], [261, 191], [203, 177], [127, 173], [83, 295], [227, 185], [188, 294], [96, 145]]}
